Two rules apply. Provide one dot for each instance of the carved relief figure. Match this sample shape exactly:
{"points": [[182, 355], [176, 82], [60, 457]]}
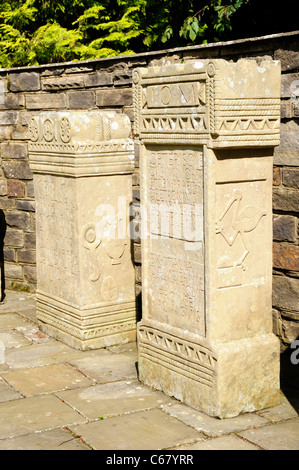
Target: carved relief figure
{"points": [[232, 225]]}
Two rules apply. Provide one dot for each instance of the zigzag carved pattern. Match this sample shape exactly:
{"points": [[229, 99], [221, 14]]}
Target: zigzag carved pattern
{"points": [[173, 123], [185, 358], [106, 146], [265, 124], [179, 346]]}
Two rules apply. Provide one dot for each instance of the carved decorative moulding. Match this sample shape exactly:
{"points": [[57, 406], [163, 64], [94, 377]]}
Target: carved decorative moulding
{"points": [[79, 143], [217, 103]]}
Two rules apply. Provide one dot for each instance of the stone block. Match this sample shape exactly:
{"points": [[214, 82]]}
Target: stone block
{"points": [[14, 238], [122, 77], [290, 178], [137, 255], [3, 89], [13, 271], [80, 99], [290, 85], [100, 78], [28, 206], [285, 293], [276, 176], [6, 203], [286, 257], [3, 188], [30, 274], [79, 69], [20, 133], [82, 164], [30, 240], [45, 100], [284, 228], [63, 83], [129, 111], [17, 170], [286, 157], [138, 275], [285, 200], [27, 256], [5, 133], [8, 118], [12, 101], [288, 55], [14, 150], [9, 254], [113, 98], [30, 189], [287, 109], [55, 72], [24, 81], [207, 131], [289, 141], [18, 219], [15, 188], [290, 330]]}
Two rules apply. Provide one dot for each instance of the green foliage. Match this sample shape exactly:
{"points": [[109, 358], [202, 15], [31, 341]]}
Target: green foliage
{"points": [[44, 31]]}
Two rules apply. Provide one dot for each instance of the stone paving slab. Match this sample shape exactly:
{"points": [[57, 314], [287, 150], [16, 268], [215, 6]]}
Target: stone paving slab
{"points": [[55, 439], [110, 368], [212, 426], [8, 393], [230, 442], [18, 303], [34, 334], [278, 436], [40, 380], [276, 413], [38, 355], [113, 399], [146, 430], [11, 320], [13, 339], [28, 415]]}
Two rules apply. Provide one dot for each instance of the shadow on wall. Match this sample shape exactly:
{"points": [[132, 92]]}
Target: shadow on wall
{"points": [[289, 374], [2, 235]]}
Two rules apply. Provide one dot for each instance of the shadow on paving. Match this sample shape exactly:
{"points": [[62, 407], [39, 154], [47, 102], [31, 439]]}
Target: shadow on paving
{"points": [[289, 376], [2, 235]]}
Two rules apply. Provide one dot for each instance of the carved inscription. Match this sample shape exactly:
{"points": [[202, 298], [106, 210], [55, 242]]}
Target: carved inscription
{"points": [[175, 193], [176, 95], [58, 264], [178, 286]]}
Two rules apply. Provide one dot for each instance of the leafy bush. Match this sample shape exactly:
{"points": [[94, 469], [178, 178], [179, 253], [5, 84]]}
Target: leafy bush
{"points": [[46, 31]]}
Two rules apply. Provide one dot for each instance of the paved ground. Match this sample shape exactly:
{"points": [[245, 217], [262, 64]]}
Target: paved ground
{"points": [[55, 397]]}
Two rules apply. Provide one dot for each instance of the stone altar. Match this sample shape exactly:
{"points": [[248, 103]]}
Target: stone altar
{"points": [[82, 164], [207, 131]]}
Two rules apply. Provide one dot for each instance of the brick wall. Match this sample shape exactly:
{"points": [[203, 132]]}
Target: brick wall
{"points": [[106, 84]]}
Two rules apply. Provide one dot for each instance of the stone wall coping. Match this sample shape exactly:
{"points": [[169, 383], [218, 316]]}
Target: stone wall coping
{"points": [[164, 52]]}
